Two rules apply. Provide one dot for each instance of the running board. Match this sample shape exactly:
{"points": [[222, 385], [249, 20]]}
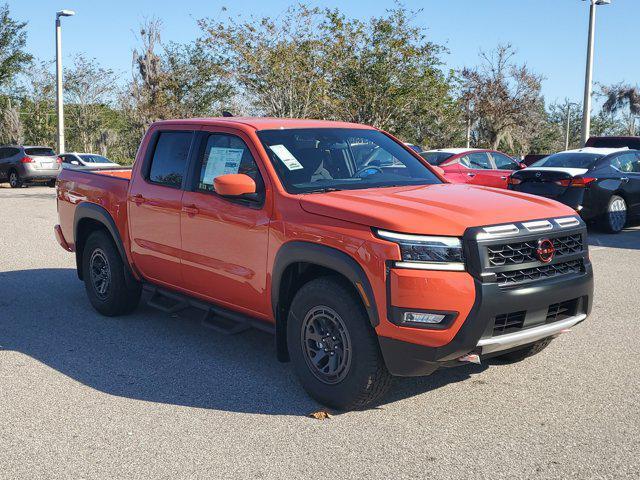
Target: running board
{"points": [[214, 317]]}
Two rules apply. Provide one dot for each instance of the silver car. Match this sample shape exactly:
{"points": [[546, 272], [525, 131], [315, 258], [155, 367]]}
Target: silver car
{"points": [[23, 165]]}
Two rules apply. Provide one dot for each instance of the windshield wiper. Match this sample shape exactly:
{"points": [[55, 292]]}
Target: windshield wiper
{"points": [[324, 190]]}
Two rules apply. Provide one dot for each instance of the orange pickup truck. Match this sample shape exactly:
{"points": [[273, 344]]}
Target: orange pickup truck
{"points": [[359, 257]]}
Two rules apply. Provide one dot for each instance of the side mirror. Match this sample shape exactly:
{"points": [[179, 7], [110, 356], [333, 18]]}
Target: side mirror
{"points": [[522, 165], [234, 185]]}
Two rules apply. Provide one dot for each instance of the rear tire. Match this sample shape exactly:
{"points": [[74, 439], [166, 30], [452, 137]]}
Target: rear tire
{"points": [[334, 348], [51, 183], [14, 179], [615, 218], [104, 277], [526, 352]]}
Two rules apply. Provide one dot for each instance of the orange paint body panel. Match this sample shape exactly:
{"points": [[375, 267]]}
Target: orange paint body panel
{"points": [[212, 248]]}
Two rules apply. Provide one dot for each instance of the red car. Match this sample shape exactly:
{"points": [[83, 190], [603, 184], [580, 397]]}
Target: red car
{"points": [[475, 166]]}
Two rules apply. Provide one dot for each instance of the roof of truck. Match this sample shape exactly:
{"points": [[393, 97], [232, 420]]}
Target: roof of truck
{"points": [[266, 123]]}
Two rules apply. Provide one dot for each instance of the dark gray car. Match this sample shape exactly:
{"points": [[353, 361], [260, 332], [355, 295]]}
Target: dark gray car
{"points": [[23, 165]]}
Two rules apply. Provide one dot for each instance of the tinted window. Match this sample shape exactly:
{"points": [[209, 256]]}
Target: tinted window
{"points": [[169, 160], [225, 155], [479, 160], [614, 142], [569, 160], [628, 163], [503, 162], [40, 152], [320, 159], [436, 158], [8, 152]]}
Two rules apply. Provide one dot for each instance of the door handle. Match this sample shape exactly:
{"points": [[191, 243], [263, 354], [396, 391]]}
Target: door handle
{"points": [[624, 179], [137, 199], [503, 177], [471, 175], [190, 210]]}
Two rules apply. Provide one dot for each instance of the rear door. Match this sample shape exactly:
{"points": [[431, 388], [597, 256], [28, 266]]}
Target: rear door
{"points": [[628, 164], [478, 169], [154, 204], [224, 241], [504, 166]]}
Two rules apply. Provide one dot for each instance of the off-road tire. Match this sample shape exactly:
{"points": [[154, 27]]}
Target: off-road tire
{"points": [[526, 352], [119, 296], [366, 379]]}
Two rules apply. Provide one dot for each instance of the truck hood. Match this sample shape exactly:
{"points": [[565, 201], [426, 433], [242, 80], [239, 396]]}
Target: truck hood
{"points": [[441, 209]]}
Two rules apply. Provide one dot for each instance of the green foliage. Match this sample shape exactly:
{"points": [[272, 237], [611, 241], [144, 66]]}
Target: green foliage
{"points": [[13, 39]]}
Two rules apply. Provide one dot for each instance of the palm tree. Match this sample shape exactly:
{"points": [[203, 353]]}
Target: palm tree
{"points": [[624, 99]]}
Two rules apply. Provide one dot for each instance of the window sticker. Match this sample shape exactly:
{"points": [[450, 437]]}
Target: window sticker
{"points": [[222, 161], [286, 157]]}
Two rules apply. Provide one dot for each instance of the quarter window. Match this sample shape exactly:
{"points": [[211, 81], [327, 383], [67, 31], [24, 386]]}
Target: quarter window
{"points": [[169, 161]]}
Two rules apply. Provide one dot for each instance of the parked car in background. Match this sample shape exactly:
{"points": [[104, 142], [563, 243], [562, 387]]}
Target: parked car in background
{"points": [[414, 147], [532, 158], [23, 165], [74, 159], [362, 269], [614, 142], [475, 166], [601, 184]]}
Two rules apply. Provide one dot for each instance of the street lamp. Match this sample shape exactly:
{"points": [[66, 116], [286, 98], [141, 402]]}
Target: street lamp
{"points": [[568, 127], [59, 101], [588, 78]]}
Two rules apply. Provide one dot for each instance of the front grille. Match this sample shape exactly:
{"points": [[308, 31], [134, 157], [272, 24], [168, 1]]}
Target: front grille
{"points": [[523, 252], [508, 322], [562, 310], [514, 277]]}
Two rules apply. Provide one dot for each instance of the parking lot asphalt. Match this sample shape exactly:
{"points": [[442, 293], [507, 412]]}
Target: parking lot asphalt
{"points": [[152, 395]]}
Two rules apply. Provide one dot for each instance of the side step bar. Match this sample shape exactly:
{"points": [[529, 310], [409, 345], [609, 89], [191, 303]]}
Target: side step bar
{"points": [[214, 317]]}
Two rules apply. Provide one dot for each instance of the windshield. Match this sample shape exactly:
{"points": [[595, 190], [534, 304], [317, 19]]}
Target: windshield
{"points": [[436, 158], [40, 152], [569, 160], [322, 159], [94, 159]]}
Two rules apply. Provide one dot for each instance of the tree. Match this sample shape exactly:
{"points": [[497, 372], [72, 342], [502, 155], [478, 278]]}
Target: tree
{"points": [[506, 97], [13, 39], [38, 107], [624, 100], [89, 90], [10, 125]]}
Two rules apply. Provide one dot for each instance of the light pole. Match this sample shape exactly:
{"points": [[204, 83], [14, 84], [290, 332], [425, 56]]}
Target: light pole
{"points": [[588, 77], [566, 137], [59, 101]]}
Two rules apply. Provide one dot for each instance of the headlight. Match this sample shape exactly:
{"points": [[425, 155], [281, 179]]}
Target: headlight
{"points": [[426, 252]]}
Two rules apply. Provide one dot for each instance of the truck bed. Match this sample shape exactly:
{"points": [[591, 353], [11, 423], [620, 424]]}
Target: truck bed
{"points": [[107, 188]]}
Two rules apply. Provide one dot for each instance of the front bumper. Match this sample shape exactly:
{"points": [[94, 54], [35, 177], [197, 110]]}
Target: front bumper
{"points": [[496, 312]]}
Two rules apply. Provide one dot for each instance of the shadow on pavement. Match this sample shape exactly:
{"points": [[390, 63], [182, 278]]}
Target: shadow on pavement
{"points": [[628, 239], [155, 357]]}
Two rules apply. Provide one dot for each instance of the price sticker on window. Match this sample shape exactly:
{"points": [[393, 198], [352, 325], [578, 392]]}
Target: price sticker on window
{"points": [[286, 157]]}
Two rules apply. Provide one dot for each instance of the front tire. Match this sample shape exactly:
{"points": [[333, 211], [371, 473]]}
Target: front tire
{"points": [[334, 348], [104, 277], [615, 218], [14, 179]]}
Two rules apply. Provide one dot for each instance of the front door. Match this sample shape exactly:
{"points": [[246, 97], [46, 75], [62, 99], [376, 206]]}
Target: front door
{"points": [[225, 240], [628, 164], [154, 204], [504, 166]]}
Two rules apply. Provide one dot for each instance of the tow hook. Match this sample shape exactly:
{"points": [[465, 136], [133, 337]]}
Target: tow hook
{"points": [[470, 358]]}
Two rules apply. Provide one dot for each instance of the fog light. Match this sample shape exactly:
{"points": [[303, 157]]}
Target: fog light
{"points": [[418, 317]]}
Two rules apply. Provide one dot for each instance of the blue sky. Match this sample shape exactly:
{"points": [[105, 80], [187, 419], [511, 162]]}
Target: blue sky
{"points": [[549, 35]]}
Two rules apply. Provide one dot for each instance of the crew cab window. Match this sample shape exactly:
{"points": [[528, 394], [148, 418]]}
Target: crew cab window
{"points": [[224, 155], [479, 160], [628, 163], [503, 162], [169, 161]]}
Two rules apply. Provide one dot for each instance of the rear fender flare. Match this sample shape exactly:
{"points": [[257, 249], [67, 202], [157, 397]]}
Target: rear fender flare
{"points": [[99, 214]]}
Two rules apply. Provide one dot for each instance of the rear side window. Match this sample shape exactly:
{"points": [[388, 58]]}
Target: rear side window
{"points": [[40, 152], [8, 152], [169, 162], [478, 160], [436, 158], [225, 155], [627, 163]]}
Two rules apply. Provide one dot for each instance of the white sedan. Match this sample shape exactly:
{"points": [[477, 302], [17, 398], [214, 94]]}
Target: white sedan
{"points": [[74, 159]]}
